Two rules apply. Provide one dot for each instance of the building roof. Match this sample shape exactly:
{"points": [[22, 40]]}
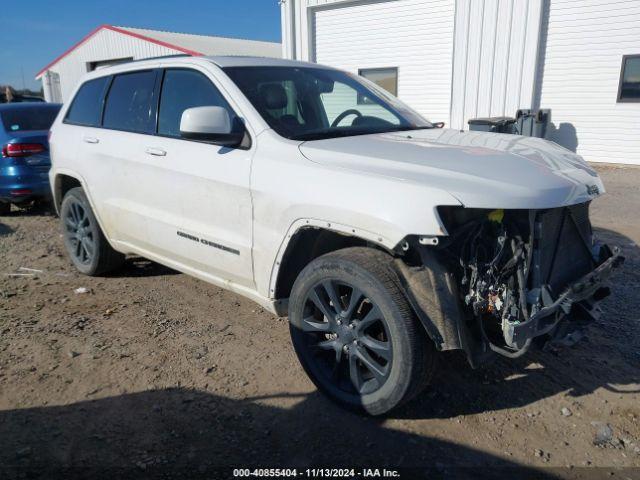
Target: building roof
{"points": [[185, 43], [209, 45]]}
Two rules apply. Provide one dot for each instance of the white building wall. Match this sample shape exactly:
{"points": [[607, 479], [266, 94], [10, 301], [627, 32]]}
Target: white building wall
{"points": [[583, 45], [495, 58], [505, 54], [104, 45], [51, 87], [415, 36], [457, 59]]}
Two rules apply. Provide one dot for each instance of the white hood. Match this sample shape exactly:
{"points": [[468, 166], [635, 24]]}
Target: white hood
{"points": [[482, 170]]}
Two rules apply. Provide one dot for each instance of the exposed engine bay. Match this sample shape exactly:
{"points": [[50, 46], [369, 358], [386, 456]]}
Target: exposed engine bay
{"points": [[517, 272], [522, 275]]}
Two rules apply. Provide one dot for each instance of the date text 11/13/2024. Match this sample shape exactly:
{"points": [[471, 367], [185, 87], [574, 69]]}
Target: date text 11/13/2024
{"points": [[316, 473]]}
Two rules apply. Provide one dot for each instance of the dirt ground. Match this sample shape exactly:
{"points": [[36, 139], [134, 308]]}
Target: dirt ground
{"points": [[154, 371]]}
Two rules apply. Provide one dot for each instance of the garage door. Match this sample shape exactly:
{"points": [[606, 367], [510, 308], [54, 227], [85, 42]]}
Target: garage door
{"points": [[413, 36]]}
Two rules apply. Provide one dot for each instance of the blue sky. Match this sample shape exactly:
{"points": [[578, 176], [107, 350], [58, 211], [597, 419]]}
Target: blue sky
{"points": [[34, 33]]}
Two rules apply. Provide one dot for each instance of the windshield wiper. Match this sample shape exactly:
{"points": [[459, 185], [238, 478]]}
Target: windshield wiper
{"points": [[407, 129], [322, 134], [335, 133]]}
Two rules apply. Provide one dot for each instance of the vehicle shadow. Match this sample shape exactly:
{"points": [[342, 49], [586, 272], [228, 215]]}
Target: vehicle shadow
{"points": [[5, 230], [133, 267], [608, 357], [179, 433], [141, 267]]}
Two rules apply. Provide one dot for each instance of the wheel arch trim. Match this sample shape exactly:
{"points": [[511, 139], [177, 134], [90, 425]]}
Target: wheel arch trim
{"points": [[57, 198], [303, 223]]}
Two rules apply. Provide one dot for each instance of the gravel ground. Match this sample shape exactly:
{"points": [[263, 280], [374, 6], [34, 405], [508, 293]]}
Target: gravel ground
{"points": [[152, 371]]}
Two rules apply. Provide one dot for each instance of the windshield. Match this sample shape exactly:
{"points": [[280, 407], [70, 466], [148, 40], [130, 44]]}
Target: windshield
{"points": [[316, 103]]}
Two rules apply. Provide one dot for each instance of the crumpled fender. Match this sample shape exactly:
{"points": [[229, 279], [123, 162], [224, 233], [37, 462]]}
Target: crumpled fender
{"points": [[433, 293]]}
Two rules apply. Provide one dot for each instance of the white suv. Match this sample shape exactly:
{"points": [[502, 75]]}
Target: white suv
{"points": [[318, 195]]}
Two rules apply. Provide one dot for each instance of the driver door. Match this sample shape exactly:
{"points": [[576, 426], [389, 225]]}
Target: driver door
{"points": [[198, 213]]}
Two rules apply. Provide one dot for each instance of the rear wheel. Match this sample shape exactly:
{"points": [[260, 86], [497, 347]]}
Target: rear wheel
{"points": [[355, 333], [85, 243], [5, 208]]}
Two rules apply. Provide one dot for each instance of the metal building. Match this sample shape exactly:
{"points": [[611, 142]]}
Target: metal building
{"points": [[454, 60], [109, 45]]}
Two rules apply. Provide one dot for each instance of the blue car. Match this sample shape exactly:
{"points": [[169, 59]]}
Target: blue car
{"points": [[24, 162]]}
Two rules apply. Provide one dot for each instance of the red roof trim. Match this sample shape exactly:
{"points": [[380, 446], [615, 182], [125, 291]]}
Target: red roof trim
{"points": [[124, 32], [68, 51], [153, 40]]}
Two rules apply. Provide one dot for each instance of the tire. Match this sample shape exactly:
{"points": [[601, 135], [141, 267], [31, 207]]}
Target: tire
{"points": [[84, 241], [372, 355], [5, 208]]}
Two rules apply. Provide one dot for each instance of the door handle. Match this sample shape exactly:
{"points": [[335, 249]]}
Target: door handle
{"points": [[158, 152], [91, 139]]}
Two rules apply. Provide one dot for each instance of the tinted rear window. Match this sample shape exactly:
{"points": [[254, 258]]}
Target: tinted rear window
{"points": [[87, 104], [129, 103], [29, 118]]}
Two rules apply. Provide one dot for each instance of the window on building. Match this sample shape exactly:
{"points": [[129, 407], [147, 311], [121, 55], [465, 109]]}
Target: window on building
{"points": [[130, 102], [87, 104], [386, 78], [91, 66], [629, 89], [183, 89]]}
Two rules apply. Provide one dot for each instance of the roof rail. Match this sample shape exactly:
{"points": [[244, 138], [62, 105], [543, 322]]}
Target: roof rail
{"points": [[175, 55]]}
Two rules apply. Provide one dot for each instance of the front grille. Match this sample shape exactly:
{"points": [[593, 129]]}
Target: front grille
{"points": [[564, 243]]}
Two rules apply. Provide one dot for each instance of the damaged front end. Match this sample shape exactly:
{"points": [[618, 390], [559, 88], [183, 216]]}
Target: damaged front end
{"points": [[516, 277]]}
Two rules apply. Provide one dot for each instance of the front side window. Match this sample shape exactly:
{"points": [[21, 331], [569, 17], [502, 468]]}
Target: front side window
{"points": [[87, 104], [183, 89], [306, 103], [129, 103], [629, 90]]}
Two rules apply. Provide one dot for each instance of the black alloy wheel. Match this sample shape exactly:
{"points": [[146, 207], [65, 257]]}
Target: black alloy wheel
{"points": [[347, 337], [84, 241], [355, 333], [79, 232]]}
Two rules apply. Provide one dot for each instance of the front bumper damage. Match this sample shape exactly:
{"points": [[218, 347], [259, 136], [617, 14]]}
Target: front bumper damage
{"points": [[591, 287], [506, 280]]}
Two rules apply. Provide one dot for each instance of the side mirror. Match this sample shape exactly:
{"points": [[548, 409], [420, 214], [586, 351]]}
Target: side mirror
{"points": [[438, 124], [209, 124]]}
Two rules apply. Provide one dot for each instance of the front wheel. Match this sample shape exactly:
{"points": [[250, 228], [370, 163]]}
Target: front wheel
{"points": [[355, 333]]}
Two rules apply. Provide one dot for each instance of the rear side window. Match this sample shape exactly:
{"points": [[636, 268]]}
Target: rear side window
{"points": [[129, 103], [29, 119], [183, 89], [87, 104]]}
